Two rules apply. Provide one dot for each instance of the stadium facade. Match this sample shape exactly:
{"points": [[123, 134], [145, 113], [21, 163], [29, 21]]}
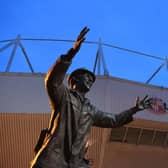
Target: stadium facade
{"points": [[24, 111]]}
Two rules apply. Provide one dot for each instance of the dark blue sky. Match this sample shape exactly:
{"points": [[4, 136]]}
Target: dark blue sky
{"points": [[137, 25]]}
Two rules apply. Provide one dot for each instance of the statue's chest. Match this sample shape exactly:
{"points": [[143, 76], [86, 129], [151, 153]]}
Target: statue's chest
{"points": [[82, 111]]}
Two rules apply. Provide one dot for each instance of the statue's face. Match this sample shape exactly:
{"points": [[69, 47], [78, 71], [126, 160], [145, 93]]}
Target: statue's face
{"points": [[84, 82]]}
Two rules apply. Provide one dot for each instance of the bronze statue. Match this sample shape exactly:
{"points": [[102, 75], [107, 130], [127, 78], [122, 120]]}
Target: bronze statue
{"points": [[73, 115]]}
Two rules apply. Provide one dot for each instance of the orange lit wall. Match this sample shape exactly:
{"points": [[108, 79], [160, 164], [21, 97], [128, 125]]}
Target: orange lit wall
{"points": [[19, 133]]}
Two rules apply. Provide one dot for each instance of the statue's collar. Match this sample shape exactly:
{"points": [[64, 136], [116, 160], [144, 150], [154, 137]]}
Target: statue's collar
{"points": [[77, 94]]}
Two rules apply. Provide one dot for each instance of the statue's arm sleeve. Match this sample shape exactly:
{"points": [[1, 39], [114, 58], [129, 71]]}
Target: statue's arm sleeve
{"points": [[54, 83], [111, 120], [55, 77]]}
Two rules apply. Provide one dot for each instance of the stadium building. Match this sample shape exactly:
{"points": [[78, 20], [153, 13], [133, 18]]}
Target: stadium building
{"points": [[24, 111]]}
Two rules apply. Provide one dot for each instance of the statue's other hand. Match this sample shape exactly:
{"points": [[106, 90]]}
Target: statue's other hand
{"points": [[144, 103]]}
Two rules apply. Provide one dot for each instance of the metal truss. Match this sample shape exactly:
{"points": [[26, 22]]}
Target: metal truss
{"points": [[99, 63], [16, 43]]}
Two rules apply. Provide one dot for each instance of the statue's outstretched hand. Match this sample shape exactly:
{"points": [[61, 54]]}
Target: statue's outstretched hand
{"points": [[144, 103], [80, 39]]}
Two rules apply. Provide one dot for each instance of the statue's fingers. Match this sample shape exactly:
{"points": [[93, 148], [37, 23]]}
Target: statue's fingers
{"points": [[137, 99], [145, 98], [84, 29], [81, 40], [83, 33], [148, 104], [148, 101]]}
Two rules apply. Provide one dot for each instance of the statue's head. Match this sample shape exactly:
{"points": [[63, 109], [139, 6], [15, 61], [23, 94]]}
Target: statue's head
{"points": [[81, 79]]}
